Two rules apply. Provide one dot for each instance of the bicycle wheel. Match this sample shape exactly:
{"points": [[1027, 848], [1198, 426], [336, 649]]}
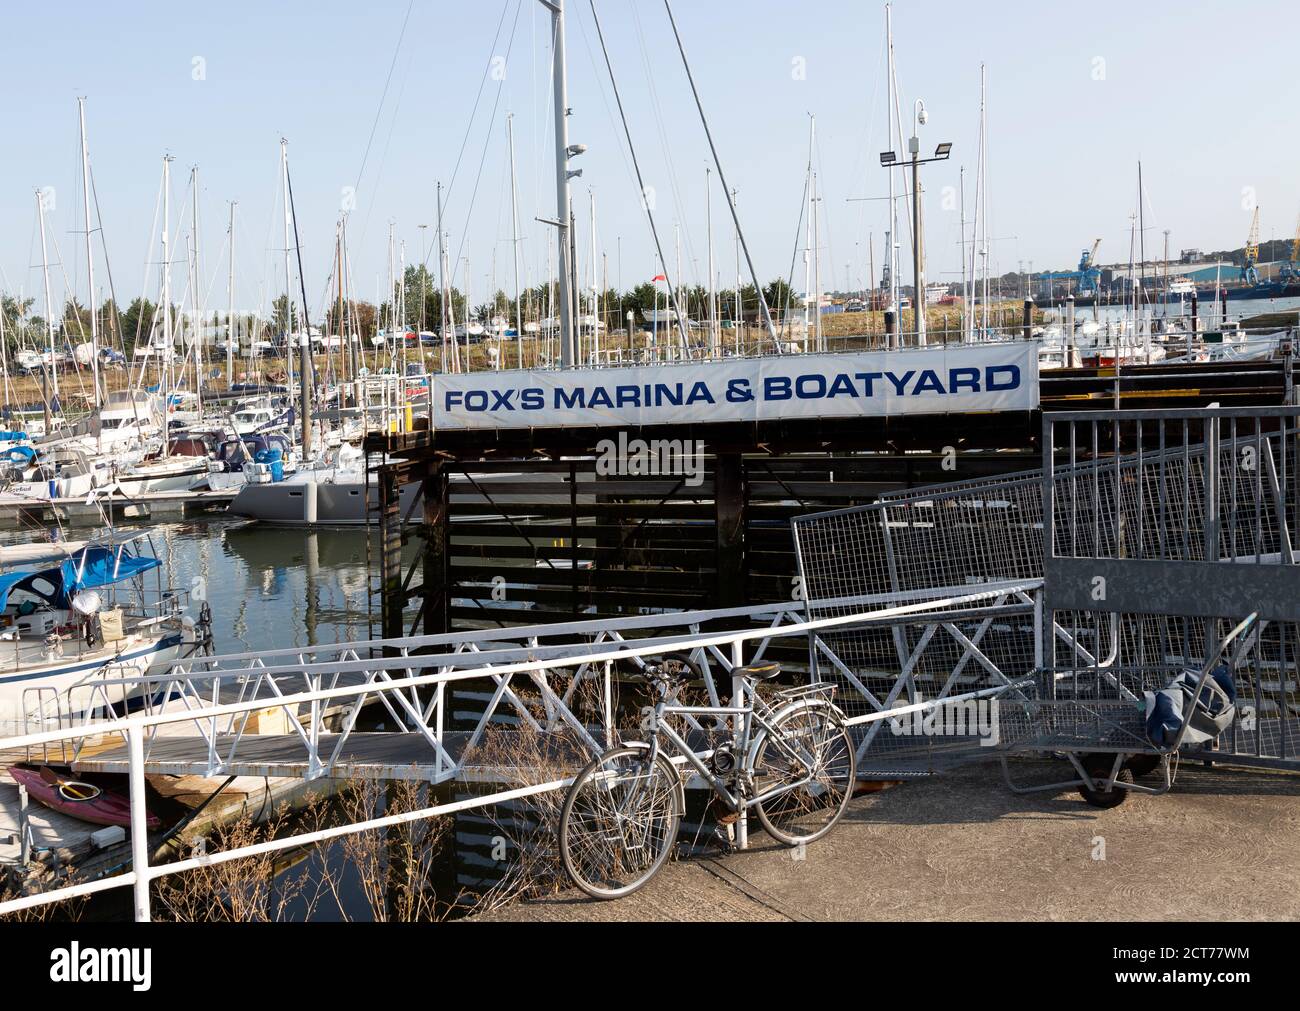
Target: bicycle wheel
{"points": [[619, 822], [811, 747]]}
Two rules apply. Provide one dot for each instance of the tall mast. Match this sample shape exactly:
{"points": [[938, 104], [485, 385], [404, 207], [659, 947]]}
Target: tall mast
{"points": [[893, 201], [167, 278], [230, 306], [817, 265], [392, 292], [715, 350], [442, 289], [514, 244], [90, 259], [197, 297], [563, 194], [1142, 239], [308, 372], [739, 306], [984, 202], [288, 270], [808, 237], [49, 304], [595, 329]]}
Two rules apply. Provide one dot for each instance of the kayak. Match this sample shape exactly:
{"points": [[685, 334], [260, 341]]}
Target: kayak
{"points": [[90, 802]]}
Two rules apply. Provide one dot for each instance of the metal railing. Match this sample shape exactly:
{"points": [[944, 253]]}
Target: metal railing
{"points": [[497, 667]]}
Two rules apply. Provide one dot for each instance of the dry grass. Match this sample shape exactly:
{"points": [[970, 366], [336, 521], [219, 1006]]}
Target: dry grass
{"points": [[67, 911]]}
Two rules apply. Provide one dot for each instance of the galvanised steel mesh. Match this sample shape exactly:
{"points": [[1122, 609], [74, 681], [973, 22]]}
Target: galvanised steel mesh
{"points": [[971, 553], [1151, 502]]}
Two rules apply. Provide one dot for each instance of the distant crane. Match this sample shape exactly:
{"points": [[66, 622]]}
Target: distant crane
{"points": [[1087, 276], [1090, 273], [1249, 270], [1290, 271]]}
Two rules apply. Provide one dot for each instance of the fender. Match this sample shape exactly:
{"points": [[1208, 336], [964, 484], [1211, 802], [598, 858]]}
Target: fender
{"points": [[804, 703], [681, 780]]}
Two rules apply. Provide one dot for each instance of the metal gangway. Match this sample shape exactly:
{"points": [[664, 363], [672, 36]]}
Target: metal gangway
{"points": [[546, 676]]}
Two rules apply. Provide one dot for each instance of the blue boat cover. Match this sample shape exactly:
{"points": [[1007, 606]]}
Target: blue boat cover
{"points": [[90, 567], [8, 580]]}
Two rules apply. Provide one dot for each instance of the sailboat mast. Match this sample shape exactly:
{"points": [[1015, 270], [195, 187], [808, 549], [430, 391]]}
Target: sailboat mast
{"points": [[514, 244], [808, 237], [90, 258], [739, 306], [563, 194], [230, 306], [817, 266], [984, 203], [892, 258], [715, 348], [49, 309], [288, 270], [197, 298], [166, 281], [965, 294], [595, 329], [307, 376]]}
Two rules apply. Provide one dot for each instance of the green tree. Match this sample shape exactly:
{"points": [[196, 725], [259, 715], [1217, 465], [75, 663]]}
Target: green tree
{"points": [[137, 322]]}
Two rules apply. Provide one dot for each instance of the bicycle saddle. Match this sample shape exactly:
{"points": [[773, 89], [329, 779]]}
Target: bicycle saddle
{"points": [[758, 671]]}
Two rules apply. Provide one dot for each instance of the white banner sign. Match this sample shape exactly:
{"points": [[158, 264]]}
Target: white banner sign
{"points": [[995, 377]]}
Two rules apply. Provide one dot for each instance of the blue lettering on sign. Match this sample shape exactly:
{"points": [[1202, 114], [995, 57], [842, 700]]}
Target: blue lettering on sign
{"points": [[928, 382], [700, 391], [963, 378], [808, 386], [776, 388], [1011, 383]]}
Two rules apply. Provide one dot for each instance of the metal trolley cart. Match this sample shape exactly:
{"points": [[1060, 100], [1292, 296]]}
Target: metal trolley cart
{"points": [[1115, 725]]}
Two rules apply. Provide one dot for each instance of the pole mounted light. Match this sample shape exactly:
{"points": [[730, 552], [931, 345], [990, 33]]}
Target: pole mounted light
{"points": [[888, 159]]}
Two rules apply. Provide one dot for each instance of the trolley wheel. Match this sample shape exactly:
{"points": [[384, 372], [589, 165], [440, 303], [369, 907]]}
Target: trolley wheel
{"points": [[1098, 765], [1142, 765]]}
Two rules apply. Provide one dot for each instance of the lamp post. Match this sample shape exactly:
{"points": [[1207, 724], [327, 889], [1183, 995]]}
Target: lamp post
{"points": [[889, 160]]}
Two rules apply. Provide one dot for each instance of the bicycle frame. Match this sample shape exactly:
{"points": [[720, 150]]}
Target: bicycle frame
{"points": [[757, 711]]}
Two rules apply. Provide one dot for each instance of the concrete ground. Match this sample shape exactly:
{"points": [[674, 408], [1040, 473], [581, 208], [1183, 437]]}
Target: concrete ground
{"points": [[1223, 845]]}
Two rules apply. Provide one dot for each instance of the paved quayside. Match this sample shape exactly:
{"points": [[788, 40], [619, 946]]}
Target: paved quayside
{"points": [[1224, 845]]}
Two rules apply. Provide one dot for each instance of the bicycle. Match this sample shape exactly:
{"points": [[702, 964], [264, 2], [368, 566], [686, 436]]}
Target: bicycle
{"points": [[790, 759]]}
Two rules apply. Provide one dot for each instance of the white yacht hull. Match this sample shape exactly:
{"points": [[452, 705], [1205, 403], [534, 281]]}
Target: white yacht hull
{"points": [[47, 686]]}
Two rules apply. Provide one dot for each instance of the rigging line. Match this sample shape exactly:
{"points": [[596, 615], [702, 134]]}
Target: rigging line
{"points": [[824, 220], [604, 98], [722, 180], [69, 301], [487, 139], [144, 294], [388, 142], [672, 290], [487, 69], [788, 322], [665, 144], [108, 267], [384, 96]]}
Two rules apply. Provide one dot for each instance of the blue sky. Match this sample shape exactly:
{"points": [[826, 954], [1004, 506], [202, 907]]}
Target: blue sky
{"points": [[1202, 92]]}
